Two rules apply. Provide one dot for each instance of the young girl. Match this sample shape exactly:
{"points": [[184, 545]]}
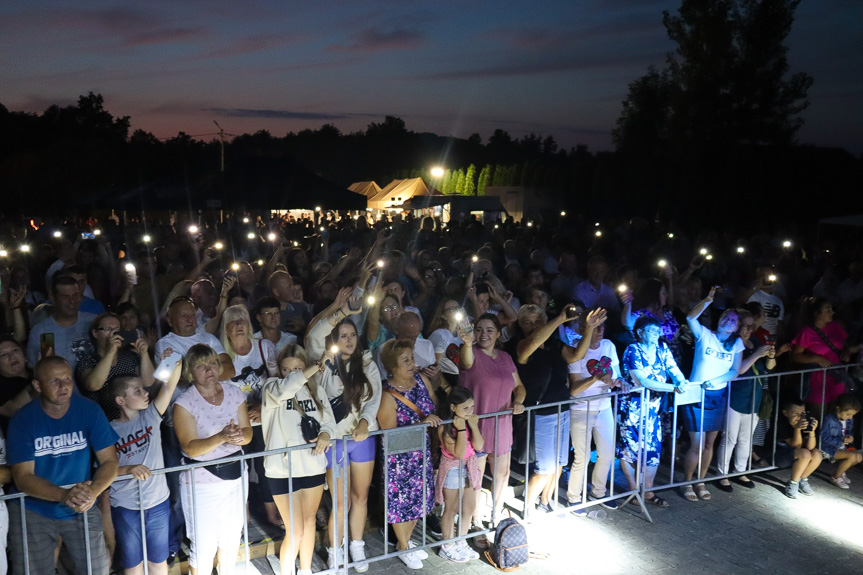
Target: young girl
{"points": [[460, 440], [836, 436], [296, 480]]}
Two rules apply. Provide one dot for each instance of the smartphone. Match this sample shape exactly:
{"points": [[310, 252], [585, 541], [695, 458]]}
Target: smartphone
{"points": [[46, 342], [166, 366], [88, 236], [129, 337], [571, 312], [354, 305]]}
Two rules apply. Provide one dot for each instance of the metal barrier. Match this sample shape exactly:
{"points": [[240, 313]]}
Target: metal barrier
{"points": [[407, 439], [756, 381]]}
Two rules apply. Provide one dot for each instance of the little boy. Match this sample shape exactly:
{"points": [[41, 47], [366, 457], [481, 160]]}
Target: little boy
{"points": [[140, 450], [797, 446], [837, 435]]}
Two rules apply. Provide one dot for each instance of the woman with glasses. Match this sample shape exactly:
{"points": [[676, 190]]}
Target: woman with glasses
{"points": [[212, 423], [745, 400], [380, 327], [112, 356], [443, 333], [646, 363]]}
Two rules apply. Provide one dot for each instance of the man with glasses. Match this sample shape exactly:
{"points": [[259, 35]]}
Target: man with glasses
{"points": [[268, 314], [52, 442], [68, 326]]}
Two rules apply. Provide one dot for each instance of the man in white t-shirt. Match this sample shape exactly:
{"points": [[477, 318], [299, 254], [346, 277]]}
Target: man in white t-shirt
{"points": [[408, 326], [774, 310], [268, 312]]}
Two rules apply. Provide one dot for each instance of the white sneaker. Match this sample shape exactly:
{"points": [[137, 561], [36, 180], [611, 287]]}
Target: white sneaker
{"points": [[422, 555], [840, 483], [467, 550], [453, 552], [358, 556], [335, 557], [845, 478], [411, 560], [304, 572]]}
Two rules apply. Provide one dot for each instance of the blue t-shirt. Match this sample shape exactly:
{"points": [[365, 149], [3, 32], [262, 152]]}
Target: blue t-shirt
{"points": [[61, 449]]}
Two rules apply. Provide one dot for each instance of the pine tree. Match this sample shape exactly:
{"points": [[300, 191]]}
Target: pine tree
{"points": [[459, 186], [469, 181], [484, 178]]}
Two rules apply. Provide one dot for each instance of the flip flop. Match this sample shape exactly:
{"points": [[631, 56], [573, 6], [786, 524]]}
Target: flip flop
{"points": [[689, 494], [703, 493]]}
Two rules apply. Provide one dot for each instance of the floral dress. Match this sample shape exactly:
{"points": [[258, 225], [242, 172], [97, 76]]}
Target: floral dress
{"points": [[629, 412], [669, 327], [405, 470]]}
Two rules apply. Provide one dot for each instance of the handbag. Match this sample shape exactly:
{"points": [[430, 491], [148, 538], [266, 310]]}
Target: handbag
{"points": [[339, 407], [309, 426], [227, 471]]}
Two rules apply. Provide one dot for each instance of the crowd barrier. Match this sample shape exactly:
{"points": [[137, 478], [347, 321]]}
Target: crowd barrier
{"points": [[411, 438]]}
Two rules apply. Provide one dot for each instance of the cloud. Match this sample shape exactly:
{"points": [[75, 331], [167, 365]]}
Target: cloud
{"points": [[379, 40], [126, 27], [257, 43], [545, 66], [272, 113]]}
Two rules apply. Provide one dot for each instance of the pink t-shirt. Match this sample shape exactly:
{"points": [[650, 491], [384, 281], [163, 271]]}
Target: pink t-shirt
{"points": [[211, 419], [813, 343], [491, 381]]}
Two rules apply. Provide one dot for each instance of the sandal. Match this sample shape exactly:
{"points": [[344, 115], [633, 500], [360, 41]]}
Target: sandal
{"points": [[658, 501], [689, 494], [703, 493]]}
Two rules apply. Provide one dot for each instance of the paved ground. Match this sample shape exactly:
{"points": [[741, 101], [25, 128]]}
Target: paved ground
{"points": [[749, 531]]}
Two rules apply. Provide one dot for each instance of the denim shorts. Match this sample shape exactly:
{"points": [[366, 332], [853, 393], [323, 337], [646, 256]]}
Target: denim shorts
{"points": [[451, 481], [549, 434], [127, 526]]}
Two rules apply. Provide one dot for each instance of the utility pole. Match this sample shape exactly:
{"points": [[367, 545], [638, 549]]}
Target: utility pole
{"points": [[222, 141]]}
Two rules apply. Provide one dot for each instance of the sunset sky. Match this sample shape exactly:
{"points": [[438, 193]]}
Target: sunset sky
{"points": [[559, 68]]}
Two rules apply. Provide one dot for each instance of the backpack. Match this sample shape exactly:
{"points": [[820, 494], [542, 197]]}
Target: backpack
{"points": [[509, 551]]}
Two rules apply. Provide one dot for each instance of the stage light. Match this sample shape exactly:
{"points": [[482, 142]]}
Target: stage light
{"points": [[193, 229], [146, 239]]}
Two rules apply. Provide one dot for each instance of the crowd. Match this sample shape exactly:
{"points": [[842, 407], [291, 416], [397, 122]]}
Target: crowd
{"points": [[130, 348]]}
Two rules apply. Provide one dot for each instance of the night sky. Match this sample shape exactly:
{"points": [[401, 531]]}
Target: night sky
{"points": [[559, 68]]}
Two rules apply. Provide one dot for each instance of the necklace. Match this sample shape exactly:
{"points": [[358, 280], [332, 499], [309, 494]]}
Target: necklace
{"points": [[211, 400], [404, 387]]}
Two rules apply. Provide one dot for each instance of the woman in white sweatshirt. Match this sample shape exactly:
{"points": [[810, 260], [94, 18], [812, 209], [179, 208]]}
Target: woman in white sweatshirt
{"points": [[296, 478], [353, 386]]}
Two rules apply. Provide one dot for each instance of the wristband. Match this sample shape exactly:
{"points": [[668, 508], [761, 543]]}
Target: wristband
{"points": [[457, 429]]}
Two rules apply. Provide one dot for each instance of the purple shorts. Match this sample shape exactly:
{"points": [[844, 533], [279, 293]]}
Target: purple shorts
{"points": [[358, 451]]}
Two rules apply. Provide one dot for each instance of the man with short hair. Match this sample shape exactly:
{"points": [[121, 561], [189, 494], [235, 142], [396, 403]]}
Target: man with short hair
{"points": [[281, 286], [206, 300], [408, 326], [268, 314], [183, 320], [51, 443], [594, 292], [70, 326], [79, 274]]}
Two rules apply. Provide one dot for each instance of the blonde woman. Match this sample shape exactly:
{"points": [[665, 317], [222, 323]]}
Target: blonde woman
{"points": [[212, 423]]}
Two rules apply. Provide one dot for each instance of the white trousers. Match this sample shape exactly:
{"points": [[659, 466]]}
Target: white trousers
{"points": [[738, 438], [582, 425], [217, 520]]}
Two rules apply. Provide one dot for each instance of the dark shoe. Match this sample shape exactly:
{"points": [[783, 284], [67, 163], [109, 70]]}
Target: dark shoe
{"points": [[545, 507], [433, 525], [610, 504], [172, 556], [747, 484], [726, 488]]}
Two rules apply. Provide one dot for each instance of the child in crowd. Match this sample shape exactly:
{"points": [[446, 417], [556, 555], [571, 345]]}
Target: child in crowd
{"points": [[459, 442], [140, 450], [837, 435], [797, 446]]}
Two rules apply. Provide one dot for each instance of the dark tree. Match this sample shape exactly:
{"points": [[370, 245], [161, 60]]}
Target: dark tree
{"points": [[727, 83]]}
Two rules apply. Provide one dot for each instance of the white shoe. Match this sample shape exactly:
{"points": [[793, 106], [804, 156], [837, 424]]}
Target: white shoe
{"points": [[845, 478], [335, 557], [467, 550], [358, 556], [839, 482], [422, 555], [304, 572], [411, 560]]}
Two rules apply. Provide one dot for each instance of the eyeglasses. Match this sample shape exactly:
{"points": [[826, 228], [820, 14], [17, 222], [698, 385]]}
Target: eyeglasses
{"points": [[108, 329], [450, 309], [391, 307], [269, 313], [180, 299]]}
